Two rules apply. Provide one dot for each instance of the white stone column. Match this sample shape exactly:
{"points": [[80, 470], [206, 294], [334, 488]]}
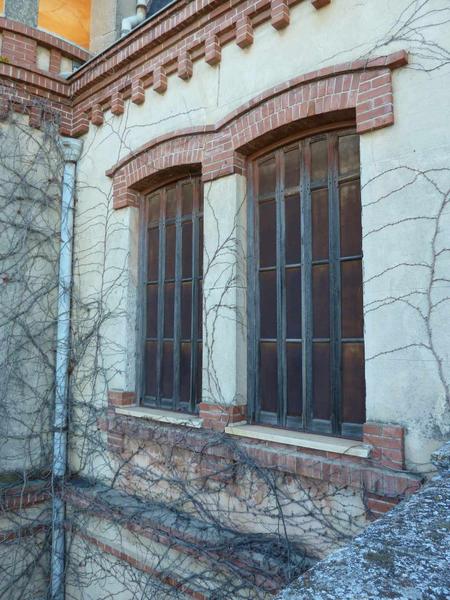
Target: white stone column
{"points": [[224, 382]]}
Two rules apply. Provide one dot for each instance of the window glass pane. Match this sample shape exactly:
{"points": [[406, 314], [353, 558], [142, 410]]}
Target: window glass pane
{"points": [[293, 303], [186, 257], [348, 155], [267, 234], [170, 251], [153, 208], [153, 254], [319, 216], [268, 369], [294, 379], [353, 384], [200, 246], [350, 218], [200, 309], [171, 203], [267, 176], [186, 198], [169, 291], [319, 160], [152, 310], [186, 309], [292, 168], [199, 372], [321, 301], [321, 381], [323, 175], [292, 227], [174, 200], [167, 370], [185, 372], [268, 304], [352, 304], [150, 369]]}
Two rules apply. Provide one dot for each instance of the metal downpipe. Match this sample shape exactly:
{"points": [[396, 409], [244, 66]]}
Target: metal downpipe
{"points": [[71, 150]]}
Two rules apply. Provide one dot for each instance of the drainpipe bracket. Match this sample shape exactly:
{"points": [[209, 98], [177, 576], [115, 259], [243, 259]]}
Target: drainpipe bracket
{"points": [[71, 149]]}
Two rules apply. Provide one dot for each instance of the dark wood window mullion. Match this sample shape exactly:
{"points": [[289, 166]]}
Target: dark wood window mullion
{"points": [[306, 278], [253, 295], [142, 297], [281, 291], [335, 284], [195, 293], [161, 278], [177, 301]]}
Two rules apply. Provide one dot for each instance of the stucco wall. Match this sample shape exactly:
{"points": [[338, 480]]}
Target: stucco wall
{"points": [[407, 364], [29, 207], [106, 21]]}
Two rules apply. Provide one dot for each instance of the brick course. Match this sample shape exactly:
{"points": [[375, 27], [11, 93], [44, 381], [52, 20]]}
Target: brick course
{"points": [[279, 14], [117, 104], [212, 50], [217, 416], [141, 566], [244, 32], [121, 398], [160, 80], [221, 149], [146, 58], [320, 3], [388, 443], [377, 480]]}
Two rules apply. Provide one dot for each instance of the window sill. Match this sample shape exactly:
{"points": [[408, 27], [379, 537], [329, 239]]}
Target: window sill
{"points": [[163, 416], [301, 439]]}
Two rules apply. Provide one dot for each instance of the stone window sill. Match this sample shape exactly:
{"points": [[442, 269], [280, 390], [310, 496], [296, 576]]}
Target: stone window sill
{"points": [[301, 439], [163, 416]]}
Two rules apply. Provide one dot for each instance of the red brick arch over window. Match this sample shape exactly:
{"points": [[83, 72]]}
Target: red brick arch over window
{"points": [[361, 90]]}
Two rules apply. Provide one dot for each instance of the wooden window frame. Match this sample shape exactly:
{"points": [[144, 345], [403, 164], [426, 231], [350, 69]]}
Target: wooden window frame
{"points": [[195, 217], [305, 422]]}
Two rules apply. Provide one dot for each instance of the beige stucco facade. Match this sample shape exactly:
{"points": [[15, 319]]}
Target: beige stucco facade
{"points": [[406, 359], [243, 479]]}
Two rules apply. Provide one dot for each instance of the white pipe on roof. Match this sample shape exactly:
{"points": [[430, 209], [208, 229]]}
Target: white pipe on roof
{"points": [[129, 23]]}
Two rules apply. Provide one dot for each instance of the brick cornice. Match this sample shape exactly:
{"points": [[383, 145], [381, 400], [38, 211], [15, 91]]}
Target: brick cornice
{"points": [[175, 23], [165, 45], [45, 39], [41, 83], [164, 41]]}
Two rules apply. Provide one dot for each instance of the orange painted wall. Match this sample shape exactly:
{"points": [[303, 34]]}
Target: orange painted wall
{"points": [[2, 6], [67, 18]]}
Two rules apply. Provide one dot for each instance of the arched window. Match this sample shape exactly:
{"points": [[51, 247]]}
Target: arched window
{"points": [[305, 302], [173, 281]]}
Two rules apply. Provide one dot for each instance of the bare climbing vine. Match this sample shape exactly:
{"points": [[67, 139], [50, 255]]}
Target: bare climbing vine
{"points": [[155, 510]]}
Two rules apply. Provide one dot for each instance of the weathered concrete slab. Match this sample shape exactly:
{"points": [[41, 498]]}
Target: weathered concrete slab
{"points": [[405, 555]]}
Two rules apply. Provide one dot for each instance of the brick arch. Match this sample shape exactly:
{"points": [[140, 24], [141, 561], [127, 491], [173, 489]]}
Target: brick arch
{"points": [[153, 163], [361, 89]]}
